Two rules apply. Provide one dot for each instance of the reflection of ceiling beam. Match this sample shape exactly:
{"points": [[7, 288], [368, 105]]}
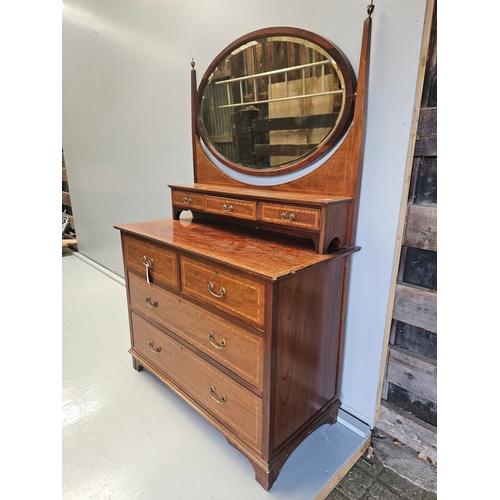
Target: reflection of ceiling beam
{"points": [[221, 138], [277, 71], [282, 149], [296, 122], [281, 99]]}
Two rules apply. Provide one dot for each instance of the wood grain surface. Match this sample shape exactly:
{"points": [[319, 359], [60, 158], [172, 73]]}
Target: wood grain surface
{"points": [[233, 292], [164, 268], [265, 254], [242, 410], [243, 350]]}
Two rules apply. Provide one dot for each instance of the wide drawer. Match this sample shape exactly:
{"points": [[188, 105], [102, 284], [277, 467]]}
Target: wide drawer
{"points": [[227, 206], [235, 406], [188, 199], [236, 348], [235, 293], [150, 259], [290, 215]]}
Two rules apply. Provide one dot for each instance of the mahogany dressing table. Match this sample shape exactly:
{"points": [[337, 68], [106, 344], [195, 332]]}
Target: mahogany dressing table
{"points": [[240, 309]]}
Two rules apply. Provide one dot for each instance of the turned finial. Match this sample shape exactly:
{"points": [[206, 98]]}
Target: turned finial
{"points": [[370, 8]]}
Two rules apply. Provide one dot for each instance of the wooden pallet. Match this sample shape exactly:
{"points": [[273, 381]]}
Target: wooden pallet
{"points": [[408, 388]]}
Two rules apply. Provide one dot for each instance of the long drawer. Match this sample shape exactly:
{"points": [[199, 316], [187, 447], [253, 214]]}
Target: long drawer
{"points": [[232, 404], [233, 346], [153, 261], [230, 291]]}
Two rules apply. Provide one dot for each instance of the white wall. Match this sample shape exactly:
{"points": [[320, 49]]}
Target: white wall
{"points": [[126, 128]]}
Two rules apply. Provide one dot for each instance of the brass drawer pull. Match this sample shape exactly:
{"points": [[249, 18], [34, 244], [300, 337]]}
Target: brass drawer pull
{"points": [[283, 216], [221, 401], [222, 344], [150, 303], [156, 350], [187, 200], [148, 265], [222, 291], [226, 208]]}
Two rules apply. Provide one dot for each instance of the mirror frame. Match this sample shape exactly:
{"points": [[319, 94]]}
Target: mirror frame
{"points": [[334, 136]]}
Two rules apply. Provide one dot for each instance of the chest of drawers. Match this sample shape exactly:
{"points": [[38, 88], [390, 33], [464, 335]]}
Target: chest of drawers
{"points": [[246, 328]]}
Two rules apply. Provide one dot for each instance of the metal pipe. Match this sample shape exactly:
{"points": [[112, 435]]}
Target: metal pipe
{"points": [[274, 72], [283, 99]]}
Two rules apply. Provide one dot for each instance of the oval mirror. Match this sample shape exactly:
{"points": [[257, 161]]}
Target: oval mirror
{"points": [[275, 100]]}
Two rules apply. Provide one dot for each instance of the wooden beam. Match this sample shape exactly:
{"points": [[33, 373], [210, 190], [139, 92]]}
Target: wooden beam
{"points": [[421, 227], [66, 200], [69, 242], [426, 141], [413, 373], [416, 306], [410, 430], [64, 175]]}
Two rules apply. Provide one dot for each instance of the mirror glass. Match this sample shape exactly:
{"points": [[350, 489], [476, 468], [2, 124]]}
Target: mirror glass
{"points": [[274, 101]]}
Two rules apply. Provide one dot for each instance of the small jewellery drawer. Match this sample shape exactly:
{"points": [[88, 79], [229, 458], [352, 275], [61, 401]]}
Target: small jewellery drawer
{"points": [[227, 206], [236, 348], [188, 199], [155, 263], [234, 405], [293, 216], [235, 293]]}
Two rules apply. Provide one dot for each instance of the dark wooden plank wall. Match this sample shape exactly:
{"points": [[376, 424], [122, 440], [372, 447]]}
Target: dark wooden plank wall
{"points": [[409, 396]]}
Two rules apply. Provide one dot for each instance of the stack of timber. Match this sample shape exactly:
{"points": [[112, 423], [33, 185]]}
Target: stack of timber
{"points": [[408, 410], [69, 236]]}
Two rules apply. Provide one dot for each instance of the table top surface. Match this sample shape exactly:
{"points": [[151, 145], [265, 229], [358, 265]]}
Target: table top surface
{"points": [[269, 255]]}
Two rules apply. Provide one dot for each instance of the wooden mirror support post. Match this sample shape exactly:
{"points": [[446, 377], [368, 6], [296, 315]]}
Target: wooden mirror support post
{"points": [[240, 309]]}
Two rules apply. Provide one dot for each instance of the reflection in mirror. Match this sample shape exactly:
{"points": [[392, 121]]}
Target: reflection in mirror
{"points": [[272, 102]]}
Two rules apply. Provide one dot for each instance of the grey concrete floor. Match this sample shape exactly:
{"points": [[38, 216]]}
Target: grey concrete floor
{"points": [[391, 471]]}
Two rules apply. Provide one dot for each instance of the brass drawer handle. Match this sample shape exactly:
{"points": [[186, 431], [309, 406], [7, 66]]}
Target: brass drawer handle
{"points": [[226, 208], [222, 344], [148, 265], [283, 216], [150, 303], [187, 200], [156, 350], [222, 291], [221, 401]]}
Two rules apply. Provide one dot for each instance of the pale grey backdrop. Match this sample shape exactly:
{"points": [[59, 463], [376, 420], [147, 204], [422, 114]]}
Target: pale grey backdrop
{"points": [[126, 128]]}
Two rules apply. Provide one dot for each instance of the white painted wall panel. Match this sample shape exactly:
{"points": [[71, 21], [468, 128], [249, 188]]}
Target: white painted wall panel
{"points": [[126, 128]]}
